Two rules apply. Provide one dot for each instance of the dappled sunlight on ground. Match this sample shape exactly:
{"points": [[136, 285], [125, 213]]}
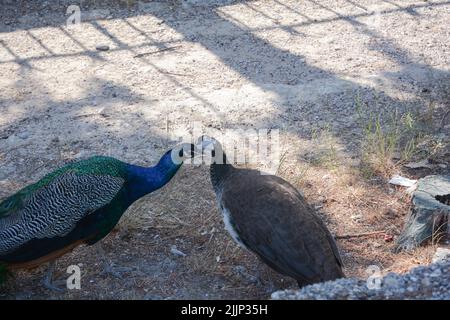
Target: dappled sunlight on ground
{"points": [[295, 66]]}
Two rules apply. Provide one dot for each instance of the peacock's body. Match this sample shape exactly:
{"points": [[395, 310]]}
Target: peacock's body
{"points": [[78, 203]]}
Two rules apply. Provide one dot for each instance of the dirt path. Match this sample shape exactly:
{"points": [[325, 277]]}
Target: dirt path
{"points": [[296, 66]]}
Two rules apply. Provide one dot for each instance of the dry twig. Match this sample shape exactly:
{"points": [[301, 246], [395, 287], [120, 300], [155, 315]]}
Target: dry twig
{"points": [[358, 235]]}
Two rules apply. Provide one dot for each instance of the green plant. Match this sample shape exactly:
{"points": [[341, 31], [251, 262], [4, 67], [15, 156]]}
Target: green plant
{"points": [[325, 153], [389, 138]]}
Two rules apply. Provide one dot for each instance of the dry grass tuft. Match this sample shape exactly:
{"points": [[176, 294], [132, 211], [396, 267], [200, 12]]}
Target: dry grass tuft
{"points": [[389, 140], [351, 204]]}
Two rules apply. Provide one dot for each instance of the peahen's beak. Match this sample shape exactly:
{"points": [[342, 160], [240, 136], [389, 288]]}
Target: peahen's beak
{"points": [[211, 149], [206, 143]]}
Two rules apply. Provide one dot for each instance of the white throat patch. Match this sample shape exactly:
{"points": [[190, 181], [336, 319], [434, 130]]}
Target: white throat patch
{"points": [[227, 221]]}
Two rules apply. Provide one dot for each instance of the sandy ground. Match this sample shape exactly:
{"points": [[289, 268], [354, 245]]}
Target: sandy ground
{"points": [[297, 66]]}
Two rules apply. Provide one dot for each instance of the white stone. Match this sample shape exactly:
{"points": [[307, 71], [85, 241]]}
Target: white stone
{"points": [[441, 255]]}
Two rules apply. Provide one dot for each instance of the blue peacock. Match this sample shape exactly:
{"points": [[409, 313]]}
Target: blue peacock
{"points": [[79, 203]]}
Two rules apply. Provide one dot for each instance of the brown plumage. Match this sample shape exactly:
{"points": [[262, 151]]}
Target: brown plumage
{"points": [[269, 217]]}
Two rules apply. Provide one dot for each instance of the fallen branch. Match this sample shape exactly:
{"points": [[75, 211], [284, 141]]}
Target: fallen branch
{"points": [[175, 74], [358, 235], [154, 52]]}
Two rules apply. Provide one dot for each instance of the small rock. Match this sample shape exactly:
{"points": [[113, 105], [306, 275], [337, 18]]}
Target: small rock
{"points": [[23, 135], [419, 164], [102, 47], [402, 181], [426, 282], [177, 252], [436, 273], [391, 281], [441, 255]]}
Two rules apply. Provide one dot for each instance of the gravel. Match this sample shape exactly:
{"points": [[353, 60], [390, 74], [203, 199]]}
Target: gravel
{"points": [[422, 283], [257, 64]]}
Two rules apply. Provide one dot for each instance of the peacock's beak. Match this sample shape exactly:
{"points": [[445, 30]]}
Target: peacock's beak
{"points": [[192, 150], [183, 152]]}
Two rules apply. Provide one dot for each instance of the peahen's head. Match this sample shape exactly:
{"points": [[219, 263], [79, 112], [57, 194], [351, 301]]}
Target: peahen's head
{"points": [[212, 148], [213, 154]]}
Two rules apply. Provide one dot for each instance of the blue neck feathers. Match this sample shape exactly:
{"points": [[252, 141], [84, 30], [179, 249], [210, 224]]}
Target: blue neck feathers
{"points": [[142, 180]]}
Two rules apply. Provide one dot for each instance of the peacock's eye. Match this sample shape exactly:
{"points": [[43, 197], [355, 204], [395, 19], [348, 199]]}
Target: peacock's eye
{"points": [[180, 154]]}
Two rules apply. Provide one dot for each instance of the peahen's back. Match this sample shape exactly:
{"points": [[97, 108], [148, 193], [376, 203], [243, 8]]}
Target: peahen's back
{"points": [[272, 219]]}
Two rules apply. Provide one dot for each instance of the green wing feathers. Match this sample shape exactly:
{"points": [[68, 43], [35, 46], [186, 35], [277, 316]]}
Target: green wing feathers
{"points": [[53, 206], [92, 166]]}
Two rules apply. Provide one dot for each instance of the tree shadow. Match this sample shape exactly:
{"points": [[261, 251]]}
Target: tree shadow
{"points": [[299, 88], [305, 96], [48, 133]]}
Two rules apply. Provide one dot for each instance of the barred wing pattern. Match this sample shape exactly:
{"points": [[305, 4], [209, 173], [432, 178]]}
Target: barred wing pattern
{"points": [[55, 209]]}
